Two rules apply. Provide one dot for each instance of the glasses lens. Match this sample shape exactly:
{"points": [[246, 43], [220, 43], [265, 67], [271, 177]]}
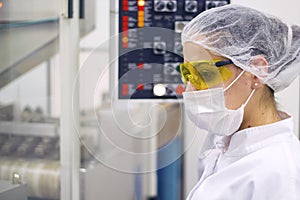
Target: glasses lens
{"points": [[203, 74]]}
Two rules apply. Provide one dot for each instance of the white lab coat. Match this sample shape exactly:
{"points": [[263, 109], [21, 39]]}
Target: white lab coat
{"points": [[259, 163]]}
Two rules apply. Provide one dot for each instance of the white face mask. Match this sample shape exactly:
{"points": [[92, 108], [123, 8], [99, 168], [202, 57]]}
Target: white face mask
{"points": [[207, 110]]}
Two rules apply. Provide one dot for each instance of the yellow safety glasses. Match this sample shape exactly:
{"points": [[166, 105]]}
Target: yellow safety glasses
{"points": [[205, 74]]}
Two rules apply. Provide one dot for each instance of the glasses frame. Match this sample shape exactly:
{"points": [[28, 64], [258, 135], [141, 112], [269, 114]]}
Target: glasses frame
{"points": [[217, 63]]}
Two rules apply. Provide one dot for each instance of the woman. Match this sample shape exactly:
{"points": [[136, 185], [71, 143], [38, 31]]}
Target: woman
{"points": [[235, 59]]}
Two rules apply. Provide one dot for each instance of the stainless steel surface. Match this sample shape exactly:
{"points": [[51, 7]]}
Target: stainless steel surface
{"points": [[41, 176], [25, 46], [29, 129], [29, 34], [16, 10]]}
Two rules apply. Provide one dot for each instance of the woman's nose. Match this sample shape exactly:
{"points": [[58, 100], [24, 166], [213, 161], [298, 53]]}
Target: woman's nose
{"points": [[190, 87]]}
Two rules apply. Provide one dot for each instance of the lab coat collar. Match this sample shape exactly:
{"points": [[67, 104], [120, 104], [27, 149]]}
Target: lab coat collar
{"points": [[254, 138]]}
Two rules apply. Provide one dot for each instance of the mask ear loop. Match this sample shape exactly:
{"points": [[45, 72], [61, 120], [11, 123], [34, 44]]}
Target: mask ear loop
{"points": [[235, 80], [248, 99], [251, 94]]}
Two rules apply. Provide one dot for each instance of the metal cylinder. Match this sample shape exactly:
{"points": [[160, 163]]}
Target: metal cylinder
{"points": [[41, 176]]}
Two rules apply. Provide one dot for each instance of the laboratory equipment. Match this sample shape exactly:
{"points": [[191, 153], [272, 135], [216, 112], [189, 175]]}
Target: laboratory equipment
{"points": [[148, 49], [29, 138], [30, 34], [31, 150]]}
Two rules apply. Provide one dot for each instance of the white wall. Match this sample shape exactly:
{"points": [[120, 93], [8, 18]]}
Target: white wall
{"points": [[94, 59], [29, 89], [101, 32], [286, 10]]}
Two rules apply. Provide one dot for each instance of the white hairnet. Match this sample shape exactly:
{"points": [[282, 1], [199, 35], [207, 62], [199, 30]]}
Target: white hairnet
{"points": [[241, 34]]}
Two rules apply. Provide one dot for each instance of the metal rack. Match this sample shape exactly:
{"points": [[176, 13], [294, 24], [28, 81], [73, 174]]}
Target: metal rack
{"points": [[31, 32]]}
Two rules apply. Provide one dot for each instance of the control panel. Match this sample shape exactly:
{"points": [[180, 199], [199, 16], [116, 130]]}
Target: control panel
{"points": [[150, 49]]}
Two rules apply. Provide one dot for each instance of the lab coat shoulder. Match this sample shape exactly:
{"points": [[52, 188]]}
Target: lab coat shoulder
{"points": [[271, 172], [276, 174]]}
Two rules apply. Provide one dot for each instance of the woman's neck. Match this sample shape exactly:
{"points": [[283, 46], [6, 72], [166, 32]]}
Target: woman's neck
{"points": [[259, 115]]}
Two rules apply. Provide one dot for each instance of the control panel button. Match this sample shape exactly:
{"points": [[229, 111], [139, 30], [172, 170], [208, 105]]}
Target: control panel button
{"points": [[180, 89], [159, 47], [165, 5], [211, 5], [170, 5], [191, 6], [159, 6]]}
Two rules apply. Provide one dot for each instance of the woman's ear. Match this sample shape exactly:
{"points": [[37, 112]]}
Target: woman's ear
{"points": [[261, 65], [260, 62], [254, 81]]}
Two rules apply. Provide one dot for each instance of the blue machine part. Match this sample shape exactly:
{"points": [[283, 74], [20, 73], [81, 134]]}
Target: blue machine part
{"points": [[169, 178]]}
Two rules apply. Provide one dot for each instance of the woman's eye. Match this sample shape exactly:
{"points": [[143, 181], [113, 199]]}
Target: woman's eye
{"points": [[207, 75]]}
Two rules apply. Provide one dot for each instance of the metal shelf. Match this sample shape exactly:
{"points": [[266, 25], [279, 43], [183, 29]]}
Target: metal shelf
{"points": [[31, 35], [29, 129]]}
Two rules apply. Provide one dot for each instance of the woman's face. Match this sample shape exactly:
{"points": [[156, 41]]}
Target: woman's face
{"points": [[237, 94]]}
